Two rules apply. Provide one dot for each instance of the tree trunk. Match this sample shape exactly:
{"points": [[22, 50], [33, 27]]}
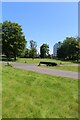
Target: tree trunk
{"points": [[14, 57]]}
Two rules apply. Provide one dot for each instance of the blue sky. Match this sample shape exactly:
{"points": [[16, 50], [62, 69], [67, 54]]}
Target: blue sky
{"points": [[43, 22]]}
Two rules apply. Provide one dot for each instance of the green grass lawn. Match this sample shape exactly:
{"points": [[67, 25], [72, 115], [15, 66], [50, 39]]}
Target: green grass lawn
{"points": [[37, 60], [68, 68], [0, 92], [27, 94]]}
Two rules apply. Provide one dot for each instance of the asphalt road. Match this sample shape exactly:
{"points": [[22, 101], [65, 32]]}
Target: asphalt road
{"points": [[49, 71]]}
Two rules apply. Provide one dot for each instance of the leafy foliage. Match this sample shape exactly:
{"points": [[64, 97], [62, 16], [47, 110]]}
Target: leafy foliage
{"points": [[13, 40], [27, 52], [33, 49], [44, 51], [69, 49], [0, 38]]}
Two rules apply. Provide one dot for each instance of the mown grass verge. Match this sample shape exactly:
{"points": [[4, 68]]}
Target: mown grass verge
{"points": [[0, 91], [37, 60], [68, 68], [27, 94]]}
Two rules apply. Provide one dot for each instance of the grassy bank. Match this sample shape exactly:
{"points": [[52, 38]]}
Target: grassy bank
{"points": [[28, 94]]}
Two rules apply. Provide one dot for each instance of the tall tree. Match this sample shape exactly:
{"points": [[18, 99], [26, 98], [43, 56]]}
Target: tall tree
{"points": [[33, 49], [27, 53], [0, 38], [78, 49], [69, 49], [44, 50], [13, 40]]}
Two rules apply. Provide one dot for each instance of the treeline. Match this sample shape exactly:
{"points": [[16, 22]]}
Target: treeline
{"points": [[14, 45], [33, 53]]}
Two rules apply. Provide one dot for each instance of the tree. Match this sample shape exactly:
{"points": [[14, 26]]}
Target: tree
{"points": [[78, 49], [0, 38], [33, 49], [44, 51], [13, 40], [27, 53], [69, 49]]}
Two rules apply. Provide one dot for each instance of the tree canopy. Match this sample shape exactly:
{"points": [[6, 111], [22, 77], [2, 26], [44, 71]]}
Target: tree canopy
{"points": [[69, 49], [0, 38], [44, 50], [33, 49], [13, 40]]}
